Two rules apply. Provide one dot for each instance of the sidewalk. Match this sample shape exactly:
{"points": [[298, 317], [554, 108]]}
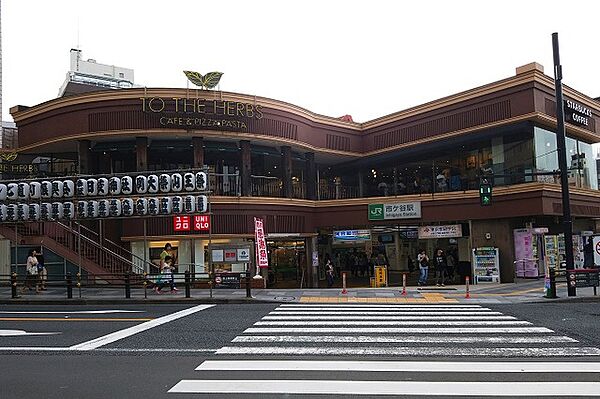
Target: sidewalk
{"points": [[522, 291]]}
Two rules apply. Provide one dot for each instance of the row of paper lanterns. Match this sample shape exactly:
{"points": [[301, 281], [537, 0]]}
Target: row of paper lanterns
{"points": [[99, 187], [105, 208]]}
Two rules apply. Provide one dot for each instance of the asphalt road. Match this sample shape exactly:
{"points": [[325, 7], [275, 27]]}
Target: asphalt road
{"points": [[125, 351]]}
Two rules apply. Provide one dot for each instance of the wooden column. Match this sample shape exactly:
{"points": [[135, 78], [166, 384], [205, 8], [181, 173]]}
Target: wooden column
{"points": [[286, 165], [141, 151], [198, 145], [84, 157], [361, 184], [311, 176], [246, 168]]}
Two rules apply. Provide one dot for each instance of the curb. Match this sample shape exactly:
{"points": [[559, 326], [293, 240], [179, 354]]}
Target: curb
{"points": [[133, 301]]}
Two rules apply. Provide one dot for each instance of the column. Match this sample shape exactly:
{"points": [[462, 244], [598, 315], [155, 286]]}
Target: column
{"points": [[361, 184], [311, 176], [198, 145], [84, 157], [141, 151], [286, 165], [246, 168]]}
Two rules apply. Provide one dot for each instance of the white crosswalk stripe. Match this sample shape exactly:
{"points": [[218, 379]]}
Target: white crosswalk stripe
{"points": [[350, 339]]}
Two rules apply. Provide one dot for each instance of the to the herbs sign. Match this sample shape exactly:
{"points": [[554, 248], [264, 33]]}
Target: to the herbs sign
{"points": [[398, 210]]}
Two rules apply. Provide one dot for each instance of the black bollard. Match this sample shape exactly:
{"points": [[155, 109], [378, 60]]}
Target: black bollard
{"points": [[248, 286], [127, 286], [69, 286], [187, 284], [13, 285], [551, 292]]}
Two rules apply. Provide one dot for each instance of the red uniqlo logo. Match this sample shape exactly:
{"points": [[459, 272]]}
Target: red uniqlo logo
{"points": [[201, 223], [181, 223]]}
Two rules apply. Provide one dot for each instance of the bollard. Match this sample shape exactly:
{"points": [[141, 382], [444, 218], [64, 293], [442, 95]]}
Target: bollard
{"points": [[187, 284], [403, 284], [145, 285], [248, 285], [13, 285], [127, 286], [550, 284], [467, 292], [344, 290], [210, 286], [79, 283], [69, 286]]}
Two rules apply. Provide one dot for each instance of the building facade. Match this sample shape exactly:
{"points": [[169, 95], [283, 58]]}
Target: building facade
{"points": [[327, 186]]}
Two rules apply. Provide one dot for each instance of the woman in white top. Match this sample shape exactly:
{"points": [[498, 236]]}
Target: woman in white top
{"points": [[32, 273]]}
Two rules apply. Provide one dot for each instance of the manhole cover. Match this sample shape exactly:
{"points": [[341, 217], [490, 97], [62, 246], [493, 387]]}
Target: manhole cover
{"points": [[284, 298]]}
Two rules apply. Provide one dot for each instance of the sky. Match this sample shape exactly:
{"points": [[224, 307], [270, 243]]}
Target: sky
{"points": [[362, 58]]}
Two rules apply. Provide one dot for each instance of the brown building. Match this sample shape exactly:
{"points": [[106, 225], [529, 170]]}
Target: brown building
{"points": [[314, 179]]}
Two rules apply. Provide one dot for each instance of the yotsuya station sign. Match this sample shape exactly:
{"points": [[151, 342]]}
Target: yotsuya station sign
{"points": [[397, 210], [198, 113]]}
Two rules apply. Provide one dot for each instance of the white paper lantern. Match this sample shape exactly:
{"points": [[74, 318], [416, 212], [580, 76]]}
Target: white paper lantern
{"points": [[11, 213], [141, 184], [92, 187], [91, 209], [189, 182], [165, 206], [177, 205], [153, 206], [114, 208], [201, 203], [3, 190], [3, 215], [103, 208], [114, 186], [126, 185], [22, 212], [81, 187], [46, 189], [103, 186], [141, 206], [57, 189], [45, 211], [68, 210], [164, 183], [201, 182], [23, 191], [56, 212], [176, 182], [127, 207], [35, 190], [68, 189], [34, 212], [81, 209], [152, 184], [189, 204], [12, 190]]}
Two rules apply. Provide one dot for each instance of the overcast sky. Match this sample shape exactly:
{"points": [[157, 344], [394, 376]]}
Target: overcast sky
{"points": [[363, 58]]}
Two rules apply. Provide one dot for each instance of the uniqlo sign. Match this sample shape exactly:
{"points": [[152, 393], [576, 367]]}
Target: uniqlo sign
{"points": [[202, 223], [181, 223]]}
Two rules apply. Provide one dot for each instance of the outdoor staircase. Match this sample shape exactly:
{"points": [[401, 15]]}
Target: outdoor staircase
{"points": [[77, 244]]}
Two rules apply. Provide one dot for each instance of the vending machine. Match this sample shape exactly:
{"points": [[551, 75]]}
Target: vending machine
{"points": [[486, 265]]}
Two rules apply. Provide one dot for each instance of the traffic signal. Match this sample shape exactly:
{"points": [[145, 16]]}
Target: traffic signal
{"points": [[485, 193]]}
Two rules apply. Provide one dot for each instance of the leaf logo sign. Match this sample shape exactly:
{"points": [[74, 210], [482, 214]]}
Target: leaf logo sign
{"points": [[9, 156], [208, 81]]}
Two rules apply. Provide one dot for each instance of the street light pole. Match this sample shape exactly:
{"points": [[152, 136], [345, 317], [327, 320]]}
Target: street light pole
{"points": [[562, 161]]}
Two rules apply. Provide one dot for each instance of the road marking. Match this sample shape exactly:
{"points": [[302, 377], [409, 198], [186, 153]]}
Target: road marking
{"points": [[20, 333], [366, 305], [396, 388], [392, 313], [381, 317], [386, 366], [124, 350], [76, 312], [390, 323], [118, 335], [403, 330], [408, 338], [67, 318], [32, 349], [329, 308], [427, 351]]}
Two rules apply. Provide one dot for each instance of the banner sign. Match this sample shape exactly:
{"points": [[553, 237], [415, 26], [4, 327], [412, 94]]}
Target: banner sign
{"points": [[447, 231], [261, 245], [398, 210], [352, 235]]}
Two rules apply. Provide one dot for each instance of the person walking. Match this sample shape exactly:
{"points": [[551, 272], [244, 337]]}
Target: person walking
{"points": [[423, 261], [42, 272], [441, 268], [166, 276], [329, 271], [31, 280]]}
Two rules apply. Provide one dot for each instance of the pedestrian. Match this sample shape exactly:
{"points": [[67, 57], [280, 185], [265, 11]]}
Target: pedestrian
{"points": [[410, 264], [167, 251], [329, 271], [441, 268], [166, 276], [42, 272], [364, 264], [423, 261], [354, 263], [31, 279], [451, 265]]}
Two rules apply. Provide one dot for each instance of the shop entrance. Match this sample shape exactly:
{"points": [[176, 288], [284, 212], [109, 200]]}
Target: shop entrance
{"points": [[287, 264]]}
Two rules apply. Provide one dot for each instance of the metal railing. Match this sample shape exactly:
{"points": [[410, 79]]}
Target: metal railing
{"points": [[337, 191], [225, 184], [266, 186]]}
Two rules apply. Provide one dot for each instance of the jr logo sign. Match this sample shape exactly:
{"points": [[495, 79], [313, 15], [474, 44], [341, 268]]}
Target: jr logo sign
{"points": [[376, 212]]}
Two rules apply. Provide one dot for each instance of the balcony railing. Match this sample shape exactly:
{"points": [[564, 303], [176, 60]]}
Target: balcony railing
{"points": [[337, 191], [266, 186], [228, 185]]}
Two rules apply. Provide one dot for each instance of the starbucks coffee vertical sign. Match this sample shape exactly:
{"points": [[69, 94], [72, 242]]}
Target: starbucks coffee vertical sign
{"points": [[398, 210]]}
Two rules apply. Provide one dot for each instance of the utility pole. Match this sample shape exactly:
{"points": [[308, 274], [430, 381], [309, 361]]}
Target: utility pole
{"points": [[562, 161]]}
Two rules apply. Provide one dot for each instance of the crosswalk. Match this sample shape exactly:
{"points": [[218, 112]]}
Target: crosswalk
{"points": [[416, 350]]}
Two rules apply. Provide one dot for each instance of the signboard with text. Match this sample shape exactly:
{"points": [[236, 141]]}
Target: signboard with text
{"points": [[262, 258], [397, 210], [186, 223], [445, 231]]}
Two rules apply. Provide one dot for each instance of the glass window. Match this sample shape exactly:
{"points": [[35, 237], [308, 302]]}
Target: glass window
{"points": [[546, 158]]}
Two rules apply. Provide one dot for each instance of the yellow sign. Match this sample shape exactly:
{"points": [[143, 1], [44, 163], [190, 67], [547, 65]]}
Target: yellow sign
{"points": [[381, 277]]}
